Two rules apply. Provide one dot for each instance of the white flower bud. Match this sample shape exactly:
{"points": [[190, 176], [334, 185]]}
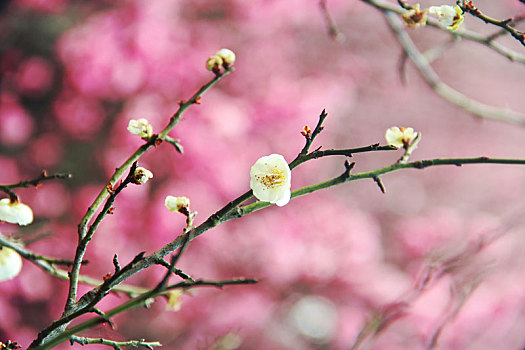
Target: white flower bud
{"points": [[399, 136], [15, 212], [140, 127], [142, 175], [270, 180], [177, 203], [214, 63], [227, 55], [10, 263], [174, 300]]}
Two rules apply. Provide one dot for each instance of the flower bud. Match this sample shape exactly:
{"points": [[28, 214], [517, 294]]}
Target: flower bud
{"points": [[227, 55], [140, 127], [141, 175], [214, 63], [15, 212], [10, 263], [180, 204]]}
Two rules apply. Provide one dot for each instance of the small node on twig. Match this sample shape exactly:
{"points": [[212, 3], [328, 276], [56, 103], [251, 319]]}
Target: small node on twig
{"points": [[116, 263], [197, 100], [108, 321], [156, 140], [379, 183], [175, 143], [110, 188], [97, 311], [348, 167]]}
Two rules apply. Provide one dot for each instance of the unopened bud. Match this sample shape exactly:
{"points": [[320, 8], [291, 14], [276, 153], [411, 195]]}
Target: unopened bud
{"points": [[214, 63], [141, 175], [227, 55], [180, 204]]}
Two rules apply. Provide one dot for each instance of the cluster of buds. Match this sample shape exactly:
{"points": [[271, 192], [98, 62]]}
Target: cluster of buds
{"points": [[223, 58], [450, 17]]}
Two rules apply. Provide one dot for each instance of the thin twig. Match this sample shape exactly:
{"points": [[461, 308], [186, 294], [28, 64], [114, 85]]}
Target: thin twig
{"points": [[515, 20], [38, 180], [33, 257], [97, 203], [134, 303], [468, 6], [432, 78], [48, 264], [461, 33], [114, 344], [8, 189]]}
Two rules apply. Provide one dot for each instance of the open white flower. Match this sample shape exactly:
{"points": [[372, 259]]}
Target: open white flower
{"points": [[15, 212], [399, 136], [448, 16], [270, 179], [140, 127], [142, 175], [177, 203], [10, 263]]}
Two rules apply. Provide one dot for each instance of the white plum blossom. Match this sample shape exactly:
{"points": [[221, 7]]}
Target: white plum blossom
{"points": [[227, 55], [399, 136], [270, 179], [10, 263], [177, 203], [140, 127], [15, 212], [142, 175], [448, 16]]}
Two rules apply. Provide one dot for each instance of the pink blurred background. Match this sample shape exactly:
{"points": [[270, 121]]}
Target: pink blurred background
{"points": [[74, 73]]}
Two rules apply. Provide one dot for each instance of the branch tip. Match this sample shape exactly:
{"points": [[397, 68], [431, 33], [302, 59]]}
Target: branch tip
{"points": [[379, 183]]}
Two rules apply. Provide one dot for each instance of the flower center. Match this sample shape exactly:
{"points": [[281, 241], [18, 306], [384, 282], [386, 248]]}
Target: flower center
{"points": [[273, 180]]}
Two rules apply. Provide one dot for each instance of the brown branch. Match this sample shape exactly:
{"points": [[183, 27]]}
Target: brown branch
{"points": [[469, 7]]}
